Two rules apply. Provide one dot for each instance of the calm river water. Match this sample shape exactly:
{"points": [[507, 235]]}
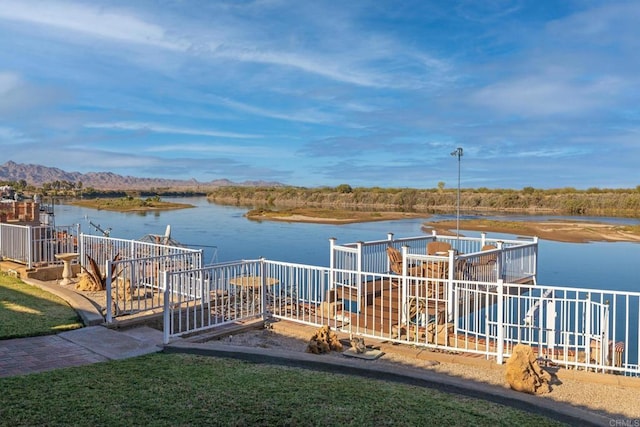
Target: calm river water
{"points": [[614, 266]]}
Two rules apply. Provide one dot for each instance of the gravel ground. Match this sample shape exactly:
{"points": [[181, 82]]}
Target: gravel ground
{"points": [[616, 401]]}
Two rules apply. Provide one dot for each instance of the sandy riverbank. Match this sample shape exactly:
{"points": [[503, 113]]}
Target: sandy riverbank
{"points": [[327, 216], [562, 231]]}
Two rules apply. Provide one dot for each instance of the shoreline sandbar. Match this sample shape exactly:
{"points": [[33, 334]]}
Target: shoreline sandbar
{"points": [[556, 230]]}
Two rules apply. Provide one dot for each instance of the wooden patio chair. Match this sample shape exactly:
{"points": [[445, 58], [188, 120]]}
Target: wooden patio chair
{"points": [[483, 266], [436, 247], [395, 259], [463, 269], [437, 270], [488, 259], [395, 263]]}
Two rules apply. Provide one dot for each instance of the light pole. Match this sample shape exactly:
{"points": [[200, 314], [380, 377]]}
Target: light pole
{"points": [[458, 153]]}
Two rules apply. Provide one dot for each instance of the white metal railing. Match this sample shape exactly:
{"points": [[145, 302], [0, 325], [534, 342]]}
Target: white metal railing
{"points": [[581, 328], [511, 260], [214, 299], [102, 249], [586, 328], [37, 245], [471, 304], [233, 292], [135, 285], [372, 256]]}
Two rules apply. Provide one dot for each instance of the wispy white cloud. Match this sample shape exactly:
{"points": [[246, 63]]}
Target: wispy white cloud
{"points": [[369, 92], [346, 70], [601, 25], [90, 20], [18, 95], [308, 116], [157, 128], [187, 149], [487, 11], [553, 152], [540, 95], [8, 82], [12, 136], [582, 64], [364, 67]]}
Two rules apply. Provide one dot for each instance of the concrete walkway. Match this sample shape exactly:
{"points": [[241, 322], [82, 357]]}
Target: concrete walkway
{"points": [[91, 344], [79, 347]]}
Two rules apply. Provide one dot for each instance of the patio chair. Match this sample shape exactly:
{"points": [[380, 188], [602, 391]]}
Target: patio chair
{"points": [[483, 267], [395, 263], [434, 248], [436, 269], [488, 259], [484, 260]]}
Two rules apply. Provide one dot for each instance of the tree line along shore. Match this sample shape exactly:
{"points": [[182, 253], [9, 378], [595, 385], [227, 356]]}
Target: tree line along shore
{"points": [[567, 201], [344, 204], [561, 201]]}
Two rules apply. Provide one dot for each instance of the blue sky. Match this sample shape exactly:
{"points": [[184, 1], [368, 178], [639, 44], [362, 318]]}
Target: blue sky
{"points": [[314, 93]]}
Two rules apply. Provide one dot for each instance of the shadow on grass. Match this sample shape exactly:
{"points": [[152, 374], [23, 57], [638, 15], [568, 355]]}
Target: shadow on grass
{"points": [[26, 310]]}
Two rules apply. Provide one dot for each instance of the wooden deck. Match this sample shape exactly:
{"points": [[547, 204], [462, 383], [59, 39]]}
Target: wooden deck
{"points": [[379, 309], [379, 313]]}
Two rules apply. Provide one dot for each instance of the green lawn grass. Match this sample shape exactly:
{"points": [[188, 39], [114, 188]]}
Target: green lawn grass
{"points": [[179, 389], [26, 310]]}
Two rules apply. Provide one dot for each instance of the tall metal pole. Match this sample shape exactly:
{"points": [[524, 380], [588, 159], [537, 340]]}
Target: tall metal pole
{"points": [[458, 153]]}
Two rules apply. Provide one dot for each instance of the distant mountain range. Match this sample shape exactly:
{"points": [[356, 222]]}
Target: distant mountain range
{"points": [[37, 175]]}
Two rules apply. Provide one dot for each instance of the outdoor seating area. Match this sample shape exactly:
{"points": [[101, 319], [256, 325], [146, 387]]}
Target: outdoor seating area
{"points": [[436, 269], [438, 248], [396, 263], [434, 291], [248, 289]]}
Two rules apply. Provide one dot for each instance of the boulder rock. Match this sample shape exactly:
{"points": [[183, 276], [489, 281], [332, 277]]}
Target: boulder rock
{"points": [[357, 344], [86, 283], [523, 372], [324, 341]]}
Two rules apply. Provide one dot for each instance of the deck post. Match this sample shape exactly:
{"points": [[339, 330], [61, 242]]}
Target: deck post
{"points": [[166, 314], [404, 280], [359, 276], [499, 324], [499, 272], [107, 269], [608, 353], [535, 259], [263, 290], [332, 262], [450, 302], [81, 250], [587, 328], [550, 325], [483, 239], [390, 239], [30, 248]]}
